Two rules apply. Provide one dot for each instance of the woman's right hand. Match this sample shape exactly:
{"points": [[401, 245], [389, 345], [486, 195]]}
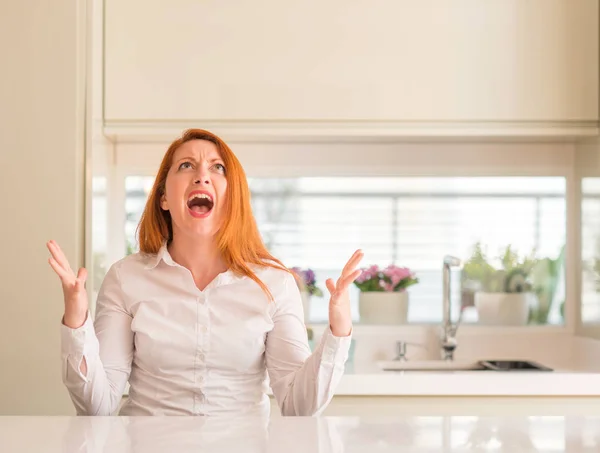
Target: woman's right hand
{"points": [[76, 301]]}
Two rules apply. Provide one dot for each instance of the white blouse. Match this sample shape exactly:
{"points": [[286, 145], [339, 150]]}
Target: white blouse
{"points": [[191, 352]]}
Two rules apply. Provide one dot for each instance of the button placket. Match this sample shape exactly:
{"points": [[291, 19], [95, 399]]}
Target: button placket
{"points": [[198, 354], [202, 342]]}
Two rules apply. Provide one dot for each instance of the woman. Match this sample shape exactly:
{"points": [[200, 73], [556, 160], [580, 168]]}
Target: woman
{"points": [[195, 319]]}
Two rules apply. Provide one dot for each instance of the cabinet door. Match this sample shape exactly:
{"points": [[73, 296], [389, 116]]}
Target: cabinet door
{"points": [[425, 61]]}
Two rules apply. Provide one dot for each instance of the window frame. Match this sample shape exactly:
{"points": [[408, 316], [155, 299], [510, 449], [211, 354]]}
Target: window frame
{"points": [[457, 159]]}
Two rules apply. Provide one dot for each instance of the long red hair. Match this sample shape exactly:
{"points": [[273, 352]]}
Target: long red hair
{"points": [[238, 239]]}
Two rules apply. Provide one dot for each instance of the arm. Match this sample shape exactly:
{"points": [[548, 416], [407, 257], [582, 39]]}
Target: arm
{"points": [[97, 356], [302, 383]]}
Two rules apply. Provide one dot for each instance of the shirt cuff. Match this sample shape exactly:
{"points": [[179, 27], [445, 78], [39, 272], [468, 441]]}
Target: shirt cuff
{"points": [[335, 349], [81, 341]]}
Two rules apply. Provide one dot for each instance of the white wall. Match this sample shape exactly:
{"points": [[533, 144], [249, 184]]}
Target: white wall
{"points": [[41, 176], [427, 60]]}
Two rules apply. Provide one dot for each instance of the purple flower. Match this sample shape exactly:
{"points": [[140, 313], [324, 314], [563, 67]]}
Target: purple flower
{"points": [[309, 277], [308, 281]]}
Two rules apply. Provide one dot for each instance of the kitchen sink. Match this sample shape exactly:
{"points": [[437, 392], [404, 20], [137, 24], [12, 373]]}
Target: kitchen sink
{"points": [[431, 365], [461, 365], [513, 365]]}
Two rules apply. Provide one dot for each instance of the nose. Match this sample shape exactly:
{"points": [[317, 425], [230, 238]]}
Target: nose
{"points": [[202, 177]]}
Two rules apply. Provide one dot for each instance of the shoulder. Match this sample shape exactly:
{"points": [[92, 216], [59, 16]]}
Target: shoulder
{"points": [[134, 263], [131, 278], [280, 282], [272, 275]]}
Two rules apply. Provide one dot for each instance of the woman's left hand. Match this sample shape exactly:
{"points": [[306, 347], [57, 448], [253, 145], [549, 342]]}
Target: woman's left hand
{"points": [[340, 318]]}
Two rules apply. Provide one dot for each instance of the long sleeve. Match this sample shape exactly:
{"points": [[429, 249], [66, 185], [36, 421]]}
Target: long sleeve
{"points": [[106, 345], [302, 383]]}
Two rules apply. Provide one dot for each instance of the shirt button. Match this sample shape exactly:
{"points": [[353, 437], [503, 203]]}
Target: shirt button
{"points": [[203, 329]]}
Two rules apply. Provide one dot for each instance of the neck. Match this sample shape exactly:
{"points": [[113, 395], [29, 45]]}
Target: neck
{"points": [[201, 257]]}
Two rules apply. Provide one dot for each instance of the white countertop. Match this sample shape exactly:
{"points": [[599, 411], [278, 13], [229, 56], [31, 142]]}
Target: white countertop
{"points": [[524, 434], [575, 363], [369, 381]]}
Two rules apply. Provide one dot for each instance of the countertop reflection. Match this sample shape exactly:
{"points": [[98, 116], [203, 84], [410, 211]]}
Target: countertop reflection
{"points": [[300, 434]]}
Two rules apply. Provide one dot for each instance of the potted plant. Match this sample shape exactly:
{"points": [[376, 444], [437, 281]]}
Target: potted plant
{"points": [[383, 298], [502, 295], [545, 276], [307, 283]]}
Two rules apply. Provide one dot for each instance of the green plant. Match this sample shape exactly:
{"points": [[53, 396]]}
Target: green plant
{"points": [[515, 274], [512, 276], [130, 247], [596, 273], [477, 267], [545, 275]]}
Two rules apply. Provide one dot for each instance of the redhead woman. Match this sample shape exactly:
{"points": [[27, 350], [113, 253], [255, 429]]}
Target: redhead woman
{"points": [[203, 314]]}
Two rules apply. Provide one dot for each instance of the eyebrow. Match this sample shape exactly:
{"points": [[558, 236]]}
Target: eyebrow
{"points": [[185, 158], [216, 159]]}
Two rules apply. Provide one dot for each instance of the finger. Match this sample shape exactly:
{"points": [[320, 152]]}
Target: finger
{"points": [[346, 281], [330, 286], [52, 249], [82, 275], [62, 273], [352, 260], [63, 258], [350, 266], [59, 256], [352, 263], [81, 278]]}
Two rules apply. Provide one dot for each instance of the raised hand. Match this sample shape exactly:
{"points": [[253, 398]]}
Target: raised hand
{"points": [[340, 318], [76, 301]]}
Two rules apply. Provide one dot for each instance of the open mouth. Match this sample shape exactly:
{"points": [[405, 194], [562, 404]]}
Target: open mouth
{"points": [[200, 204]]}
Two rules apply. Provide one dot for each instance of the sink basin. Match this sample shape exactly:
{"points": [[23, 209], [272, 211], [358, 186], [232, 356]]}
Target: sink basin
{"points": [[462, 365], [431, 365], [513, 365]]}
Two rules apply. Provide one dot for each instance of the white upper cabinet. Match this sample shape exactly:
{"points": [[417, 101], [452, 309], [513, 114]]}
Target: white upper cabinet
{"points": [[426, 61]]}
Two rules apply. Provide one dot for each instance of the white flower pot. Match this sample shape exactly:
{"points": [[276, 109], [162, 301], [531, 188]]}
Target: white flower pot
{"points": [[503, 309], [306, 305], [383, 307]]}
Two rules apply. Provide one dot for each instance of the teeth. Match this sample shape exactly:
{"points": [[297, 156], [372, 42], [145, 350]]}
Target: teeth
{"points": [[200, 195]]}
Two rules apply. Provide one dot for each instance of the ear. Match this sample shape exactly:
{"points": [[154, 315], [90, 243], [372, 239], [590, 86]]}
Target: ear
{"points": [[163, 202]]}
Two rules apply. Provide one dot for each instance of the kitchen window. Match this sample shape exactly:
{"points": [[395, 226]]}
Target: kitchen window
{"points": [[317, 222]]}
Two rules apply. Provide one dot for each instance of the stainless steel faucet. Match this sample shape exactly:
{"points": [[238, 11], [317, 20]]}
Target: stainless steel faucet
{"points": [[448, 340]]}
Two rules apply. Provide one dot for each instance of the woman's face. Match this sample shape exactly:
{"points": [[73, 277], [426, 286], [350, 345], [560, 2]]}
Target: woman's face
{"points": [[195, 189]]}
